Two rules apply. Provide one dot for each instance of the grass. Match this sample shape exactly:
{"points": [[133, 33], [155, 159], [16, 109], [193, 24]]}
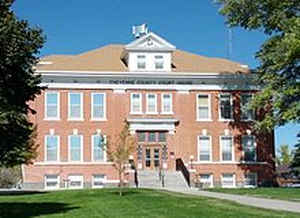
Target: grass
{"points": [[288, 194], [135, 203]]}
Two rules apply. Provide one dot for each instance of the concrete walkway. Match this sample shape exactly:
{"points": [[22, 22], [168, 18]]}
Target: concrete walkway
{"points": [[246, 200]]}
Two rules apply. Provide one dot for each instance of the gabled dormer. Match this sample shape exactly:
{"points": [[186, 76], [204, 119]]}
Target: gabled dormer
{"points": [[149, 52]]}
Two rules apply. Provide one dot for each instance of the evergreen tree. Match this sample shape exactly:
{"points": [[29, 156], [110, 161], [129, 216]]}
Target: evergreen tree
{"points": [[295, 165], [19, 46]]}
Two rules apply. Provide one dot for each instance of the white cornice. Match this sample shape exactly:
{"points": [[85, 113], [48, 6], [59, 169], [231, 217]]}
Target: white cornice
{"points": [[145, 87], [62, 73]]}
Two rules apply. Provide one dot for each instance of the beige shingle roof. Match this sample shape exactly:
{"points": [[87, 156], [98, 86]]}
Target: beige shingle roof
{"points": [[108, 58]]}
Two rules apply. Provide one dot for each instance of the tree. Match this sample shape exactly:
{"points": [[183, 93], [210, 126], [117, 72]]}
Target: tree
{"points": [[119, 152], [9, 177], [279, 70], [295, 165], [19, 46], [285, 155]]}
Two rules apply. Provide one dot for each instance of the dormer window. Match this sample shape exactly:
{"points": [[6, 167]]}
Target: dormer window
{"points": [[141, 62], [159, 62]]}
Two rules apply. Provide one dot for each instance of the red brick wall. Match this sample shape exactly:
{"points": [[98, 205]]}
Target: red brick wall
{"points": [[183, 143]]}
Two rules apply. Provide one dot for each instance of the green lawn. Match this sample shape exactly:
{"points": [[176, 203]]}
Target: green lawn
{"points": [[136, 203], [289, 194]]}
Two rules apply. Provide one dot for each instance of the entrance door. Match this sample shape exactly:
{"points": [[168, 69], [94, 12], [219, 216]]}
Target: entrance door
{"points": [[152, 158]]}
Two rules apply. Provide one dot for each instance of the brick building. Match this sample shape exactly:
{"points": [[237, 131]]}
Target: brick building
{"points": [[184, 109]]}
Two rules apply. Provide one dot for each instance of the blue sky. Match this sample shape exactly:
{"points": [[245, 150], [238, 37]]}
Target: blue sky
{"points": [[75, 26]]}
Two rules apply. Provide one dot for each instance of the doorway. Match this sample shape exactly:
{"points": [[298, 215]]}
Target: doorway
{"points": [[152, 157]]}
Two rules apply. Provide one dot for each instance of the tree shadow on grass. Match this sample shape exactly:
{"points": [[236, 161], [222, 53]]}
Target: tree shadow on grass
{"points": [[34, 209], [20, 192]]}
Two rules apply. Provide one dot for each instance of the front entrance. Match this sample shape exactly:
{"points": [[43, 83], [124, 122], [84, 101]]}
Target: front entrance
{"points": [[152, 157]]}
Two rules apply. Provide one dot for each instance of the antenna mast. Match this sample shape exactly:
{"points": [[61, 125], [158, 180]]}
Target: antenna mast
{"points": [[229, 49]]}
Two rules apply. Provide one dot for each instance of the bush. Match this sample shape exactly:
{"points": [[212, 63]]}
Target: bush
{"points": [[9, 177]]}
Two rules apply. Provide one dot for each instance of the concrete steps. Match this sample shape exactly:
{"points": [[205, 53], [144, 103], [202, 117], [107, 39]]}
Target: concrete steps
{"points": [[173, 180]]}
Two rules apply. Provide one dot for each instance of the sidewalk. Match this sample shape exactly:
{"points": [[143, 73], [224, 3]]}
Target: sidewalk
{"points": [[246, 200]]}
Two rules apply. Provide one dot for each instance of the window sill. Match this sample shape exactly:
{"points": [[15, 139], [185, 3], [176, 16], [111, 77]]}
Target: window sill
{"points": [[204, 120], [226, 120], [136, 113], [203, 162], [166, 113], [52, 119], [151, 113], [76, 119]]}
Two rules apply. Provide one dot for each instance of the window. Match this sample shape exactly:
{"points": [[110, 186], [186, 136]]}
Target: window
{"points": [[52, 148], [203, 107], [141, 136], [166, 105], [250, 180], [159, 62], [75, 106], [75, 181], [204, 148], [228, 180], [151, 104], [136, 103], [206, 180], [75, 148], [51, 182], [99, 180], [98, 143], [249, 148], [162, 137], [151, 137], [246, 112], [225, 104], [52, 105], [98, 106], [141, 62], [227, 148]]}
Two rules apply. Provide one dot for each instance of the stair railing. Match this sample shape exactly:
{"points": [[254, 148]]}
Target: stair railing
{"points": [[182, 168]]}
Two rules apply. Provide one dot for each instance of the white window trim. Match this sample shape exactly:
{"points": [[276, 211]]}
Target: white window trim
{"points": [[104, 107], [159, 60], [198, 149], [147, 103], [234, 181], [251, 186], [221, 149], [81, 148], [79, 187], [131, 103], [255, 147], [138, 59], [98, 186], [241, 106], [162, 103], [104, 152], [211, 176], [81, 107], [231, 104], [51, 188], [58, 106], [209, 107], [58, 149]]}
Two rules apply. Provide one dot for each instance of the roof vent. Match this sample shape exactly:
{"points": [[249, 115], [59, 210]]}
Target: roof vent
{"points": [[140, 30]]}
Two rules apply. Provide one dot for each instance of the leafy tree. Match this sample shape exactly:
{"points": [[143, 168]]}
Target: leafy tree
{"points": [[285, 155], [279, 70], [19, 46], [119, 152], [295, 165], [9, 177]]}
